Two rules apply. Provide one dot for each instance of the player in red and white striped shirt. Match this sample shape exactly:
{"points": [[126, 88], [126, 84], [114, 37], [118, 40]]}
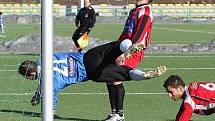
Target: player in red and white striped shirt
{"points": [[138, 29], [198, 97]]}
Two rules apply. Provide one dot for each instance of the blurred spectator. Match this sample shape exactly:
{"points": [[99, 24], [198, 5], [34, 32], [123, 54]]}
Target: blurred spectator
{"points": [[1, 23]]}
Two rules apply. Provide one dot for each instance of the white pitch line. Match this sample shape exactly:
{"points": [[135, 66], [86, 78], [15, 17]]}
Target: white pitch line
{"points": [[7, 70], [136, 93], [2, 36], [192, 68], [183, 30], [210, 68], [16, 94], [9, 65], [151, 56]]}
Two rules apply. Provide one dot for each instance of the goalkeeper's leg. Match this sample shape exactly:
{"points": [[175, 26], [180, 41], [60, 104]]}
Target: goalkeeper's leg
{"points": [[114, 73]]}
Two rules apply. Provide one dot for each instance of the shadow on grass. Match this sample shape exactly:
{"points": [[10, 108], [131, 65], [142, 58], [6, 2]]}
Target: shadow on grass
{"points": [[34, 114]]}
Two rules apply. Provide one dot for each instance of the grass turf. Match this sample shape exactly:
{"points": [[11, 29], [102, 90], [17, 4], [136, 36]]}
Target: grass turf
{"points": [[141, 102], [162, 33]]}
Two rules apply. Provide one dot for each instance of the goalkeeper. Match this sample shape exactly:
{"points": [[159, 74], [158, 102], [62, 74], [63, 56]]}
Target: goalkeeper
{"points": [[96, 65]]}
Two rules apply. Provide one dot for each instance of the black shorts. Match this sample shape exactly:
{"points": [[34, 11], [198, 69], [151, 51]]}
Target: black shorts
{"points": [[113, 73], [100, 63]]}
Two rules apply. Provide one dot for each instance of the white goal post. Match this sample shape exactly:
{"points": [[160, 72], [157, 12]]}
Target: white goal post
{"points": [[47, 59]]}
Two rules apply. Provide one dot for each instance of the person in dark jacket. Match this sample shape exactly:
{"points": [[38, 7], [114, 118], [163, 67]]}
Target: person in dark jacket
{"points": [[85, 21]]}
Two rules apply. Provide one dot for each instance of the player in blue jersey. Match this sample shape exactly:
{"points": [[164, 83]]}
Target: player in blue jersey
{"points": [[97, 64]]}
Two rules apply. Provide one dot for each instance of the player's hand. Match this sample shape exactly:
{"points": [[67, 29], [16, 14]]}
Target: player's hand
{"points": [[35, 99], [133, 49], [120, 60], [127, 55]]}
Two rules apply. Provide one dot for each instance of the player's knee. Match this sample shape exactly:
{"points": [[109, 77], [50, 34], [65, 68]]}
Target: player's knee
{"points": [[136, 75]]}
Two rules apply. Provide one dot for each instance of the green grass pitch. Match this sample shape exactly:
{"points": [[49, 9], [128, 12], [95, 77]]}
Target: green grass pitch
{"points": [[162, 33], [144, 100]]}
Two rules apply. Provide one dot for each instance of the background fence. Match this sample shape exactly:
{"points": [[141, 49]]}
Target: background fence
{"points": [[173, 10]]}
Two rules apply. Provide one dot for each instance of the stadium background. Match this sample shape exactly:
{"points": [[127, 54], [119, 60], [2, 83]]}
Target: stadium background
{"points": [[179, 8], [183, 40]]}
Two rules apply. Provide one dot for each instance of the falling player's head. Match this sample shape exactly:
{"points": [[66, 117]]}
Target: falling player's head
{"points": [[28, 69], [174, 86]]}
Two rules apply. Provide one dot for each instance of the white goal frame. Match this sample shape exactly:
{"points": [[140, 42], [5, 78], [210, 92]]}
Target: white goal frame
{"points": [[47, 59]]}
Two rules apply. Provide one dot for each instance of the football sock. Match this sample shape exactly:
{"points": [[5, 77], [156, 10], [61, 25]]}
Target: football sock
{"points": [[111, 92], [119, 95]]}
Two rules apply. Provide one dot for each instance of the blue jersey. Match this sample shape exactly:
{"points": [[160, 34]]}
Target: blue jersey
{"points": [[68, 68]]}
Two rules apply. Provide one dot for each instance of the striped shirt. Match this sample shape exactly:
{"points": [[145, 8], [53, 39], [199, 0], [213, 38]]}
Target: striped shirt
{"points": [[199, 98], [138, 28]]}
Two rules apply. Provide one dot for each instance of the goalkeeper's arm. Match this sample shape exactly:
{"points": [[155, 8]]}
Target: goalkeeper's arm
{"points": [[37, 96]]}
